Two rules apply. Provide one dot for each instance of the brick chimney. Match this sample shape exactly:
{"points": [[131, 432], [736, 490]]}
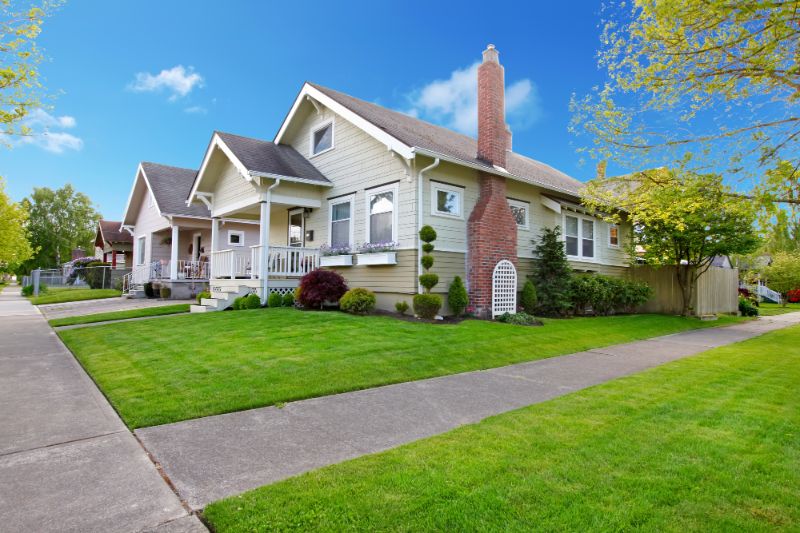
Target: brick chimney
{"points": [[491, 229]]}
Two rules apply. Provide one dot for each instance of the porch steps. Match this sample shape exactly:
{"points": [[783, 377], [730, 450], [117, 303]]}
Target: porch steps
{"points": [[220, 299]]}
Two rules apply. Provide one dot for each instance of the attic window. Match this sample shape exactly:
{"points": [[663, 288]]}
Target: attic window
{"points": [[322, 139]]}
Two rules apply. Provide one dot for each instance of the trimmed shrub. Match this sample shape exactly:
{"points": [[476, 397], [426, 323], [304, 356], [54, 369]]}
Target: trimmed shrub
{"points": [[427, 234], [319, 287], [607, 294], [427, 247], [427, 305], [252, 301], [519, 319], [528, 297], [148, 290], [633, 295], [429, 280], [203, 294], [274, 300], [238, 303], [288, 299], [401, 307], [357, 301], [165, 293], [457, 297], [746, 307]]}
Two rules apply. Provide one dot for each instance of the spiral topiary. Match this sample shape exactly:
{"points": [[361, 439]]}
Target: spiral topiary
{"points": [[427, 305]]}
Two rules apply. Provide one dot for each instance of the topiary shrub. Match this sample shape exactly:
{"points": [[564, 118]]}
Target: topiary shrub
{"points": [[357, 301], [238, 302], [401, 307], [148, 290], [274, 300], [429, 280], [288, 299], [528, 297], [165, 293], [427, 307], [457, 297], [319, 287], [203, 294], [252, 301]]}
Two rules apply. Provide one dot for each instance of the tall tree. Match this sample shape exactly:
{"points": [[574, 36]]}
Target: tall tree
{"points": [[681, 220], [711, 84], [14, 245], [552, 274], [783, 275], [59, 221]]}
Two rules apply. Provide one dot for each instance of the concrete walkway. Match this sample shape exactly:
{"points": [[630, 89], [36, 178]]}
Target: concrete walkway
{"points": [[211, 458], [67, 462], [105, 305]]}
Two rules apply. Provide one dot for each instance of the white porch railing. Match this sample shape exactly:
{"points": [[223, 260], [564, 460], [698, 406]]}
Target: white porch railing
{"points": [[136, 277], [762, 291], [292, 261], [230, 264], [286, 261]]}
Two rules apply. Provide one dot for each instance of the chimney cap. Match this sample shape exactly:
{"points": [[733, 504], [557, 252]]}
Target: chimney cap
{"points": [[491, 54]]}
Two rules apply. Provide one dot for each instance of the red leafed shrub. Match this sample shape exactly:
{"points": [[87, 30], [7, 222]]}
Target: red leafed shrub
{"points": [[793, 296], [321, 286], [744, 292]]}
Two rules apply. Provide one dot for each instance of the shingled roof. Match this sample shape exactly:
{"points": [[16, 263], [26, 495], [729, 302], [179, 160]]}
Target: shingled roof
{"points": [[265, 157], [112, 232], [171, 186], [417, 133]]}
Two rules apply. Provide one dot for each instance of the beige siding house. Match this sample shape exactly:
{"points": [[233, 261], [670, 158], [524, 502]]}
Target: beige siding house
{"points": [[347, 174]]}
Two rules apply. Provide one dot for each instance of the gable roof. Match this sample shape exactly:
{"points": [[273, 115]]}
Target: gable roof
{"points": [[170, 187], [435, 140], [111, 231]]}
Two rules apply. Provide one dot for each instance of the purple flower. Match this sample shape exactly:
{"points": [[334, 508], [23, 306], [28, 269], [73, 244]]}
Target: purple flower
{"points": [[377, 247]]}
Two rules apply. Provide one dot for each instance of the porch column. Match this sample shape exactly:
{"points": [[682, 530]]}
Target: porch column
{"points": [[263, 240], [214, 245], [173, 263]]}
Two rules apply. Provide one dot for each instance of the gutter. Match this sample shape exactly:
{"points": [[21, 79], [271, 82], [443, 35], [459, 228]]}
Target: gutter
{"points": [[420, 189]]}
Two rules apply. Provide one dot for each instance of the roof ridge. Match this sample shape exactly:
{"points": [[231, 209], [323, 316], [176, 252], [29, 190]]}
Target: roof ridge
{"points": [[167, 166]]}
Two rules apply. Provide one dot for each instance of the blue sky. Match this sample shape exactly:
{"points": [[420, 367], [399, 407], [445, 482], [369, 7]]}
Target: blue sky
{"points": [[150, 80]]}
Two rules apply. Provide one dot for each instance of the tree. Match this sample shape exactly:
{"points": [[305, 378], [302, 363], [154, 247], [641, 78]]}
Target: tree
{"points": [[683, 220], [707, 83], [20, 25], [783, 275], [59, 221], [552, 274], [14, 245]]}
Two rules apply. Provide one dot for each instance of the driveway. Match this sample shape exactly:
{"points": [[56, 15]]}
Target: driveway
{"points": [[105, 305], [67, 462]]}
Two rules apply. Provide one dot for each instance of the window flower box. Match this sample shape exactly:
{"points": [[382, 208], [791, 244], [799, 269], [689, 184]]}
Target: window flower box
{"points": [[382, 253], [336, 260]]}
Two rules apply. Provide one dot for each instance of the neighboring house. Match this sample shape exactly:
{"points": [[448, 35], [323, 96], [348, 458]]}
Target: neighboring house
{"points": [[344, 172], [113, 245], [171, 240]]}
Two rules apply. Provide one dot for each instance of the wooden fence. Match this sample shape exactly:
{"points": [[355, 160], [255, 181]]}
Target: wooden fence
{"points": [[716, 291]]}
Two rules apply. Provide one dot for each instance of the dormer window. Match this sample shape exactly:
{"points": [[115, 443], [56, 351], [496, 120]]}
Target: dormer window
{"points": [[322, 139]]}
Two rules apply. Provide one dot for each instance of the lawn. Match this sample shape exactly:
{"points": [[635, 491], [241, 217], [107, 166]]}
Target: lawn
{"points": [[183, 367], [120, 315], [770, 309], [707, 443], [57, 295]]}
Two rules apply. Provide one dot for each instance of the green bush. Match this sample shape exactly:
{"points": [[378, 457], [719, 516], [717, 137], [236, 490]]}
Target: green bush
{"points": [[357, 301], [253, 301], [457, 297], [427, 234], [274, 300], [633, 295], [203, 294], [148, 290], [288, 299], [238, 303], [427, 305], [607, 294], [552, 274], [427, 261], [401, 307], [520, 319], [746, 307], [427, 247], [165, 293], [428, 280], [27, 290], [528, 297]]}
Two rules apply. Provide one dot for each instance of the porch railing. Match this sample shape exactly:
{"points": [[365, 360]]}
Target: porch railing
{"points": [[286, 261], [230, 264], [292, 261]]}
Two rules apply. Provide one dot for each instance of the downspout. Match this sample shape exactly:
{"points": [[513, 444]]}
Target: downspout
{"points": [[266, 211], [420, 185]]}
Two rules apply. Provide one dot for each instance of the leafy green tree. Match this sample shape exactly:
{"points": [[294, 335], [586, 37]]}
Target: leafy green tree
{"points": [[707, 83], [552, 274], [14, 245], [783, 275], [457, 297], [683, 220], [58, 222]]}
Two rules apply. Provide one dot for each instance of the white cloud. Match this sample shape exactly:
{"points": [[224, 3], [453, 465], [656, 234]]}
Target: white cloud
{"points": [[454, 102], [42, 131], [178, 80], [196, 110]]}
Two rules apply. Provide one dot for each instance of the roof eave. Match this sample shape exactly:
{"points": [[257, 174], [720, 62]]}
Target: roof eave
{"points": [[269, 175]]}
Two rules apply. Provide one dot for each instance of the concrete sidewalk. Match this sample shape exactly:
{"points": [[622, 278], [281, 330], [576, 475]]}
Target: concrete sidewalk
{"points": [[105, 305], [211, 458], [67, 462]]}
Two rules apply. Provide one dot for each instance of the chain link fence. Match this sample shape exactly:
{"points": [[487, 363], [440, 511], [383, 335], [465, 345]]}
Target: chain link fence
{"points": [[77, 276]]}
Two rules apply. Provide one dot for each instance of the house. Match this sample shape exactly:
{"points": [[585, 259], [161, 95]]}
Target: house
{"points": [[112, 244], [172, 240], [346, 173]]}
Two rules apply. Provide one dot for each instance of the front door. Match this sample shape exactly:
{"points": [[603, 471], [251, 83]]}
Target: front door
{"points": [[297, 227]]}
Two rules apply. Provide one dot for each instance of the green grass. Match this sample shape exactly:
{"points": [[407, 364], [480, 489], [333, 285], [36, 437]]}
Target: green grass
{"points": [[120, 315], [770, 309], [185, 367], [66, 294], [707, 443]]}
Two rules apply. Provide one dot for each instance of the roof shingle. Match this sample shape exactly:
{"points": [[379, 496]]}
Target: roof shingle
{"points": [[171, 186], [113, 233]]}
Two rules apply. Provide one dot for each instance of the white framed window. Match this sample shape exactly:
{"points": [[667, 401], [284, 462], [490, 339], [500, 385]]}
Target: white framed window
{"points": [[322, 138], [340, 221], [381, 214], [235, 238], [141, 242], [579, 237], [613, 236], [447, 200], [521, 211]]}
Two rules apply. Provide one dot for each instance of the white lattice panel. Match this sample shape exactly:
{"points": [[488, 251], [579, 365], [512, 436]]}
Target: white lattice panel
{"points": [[504, 288]]}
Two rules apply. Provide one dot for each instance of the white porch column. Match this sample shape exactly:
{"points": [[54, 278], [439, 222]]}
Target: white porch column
{"points": [[263, 240], [173, 258], [214, 245]]}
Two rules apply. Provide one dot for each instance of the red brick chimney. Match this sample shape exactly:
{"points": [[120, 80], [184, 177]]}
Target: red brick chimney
{"points": [[491, 230]]}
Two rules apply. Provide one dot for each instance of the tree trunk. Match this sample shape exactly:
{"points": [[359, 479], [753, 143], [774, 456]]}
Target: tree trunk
{"points": [[685, 277]]}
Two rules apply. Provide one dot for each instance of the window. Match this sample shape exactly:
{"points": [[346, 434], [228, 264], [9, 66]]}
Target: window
{"points": [[579, 236], [446, 200], [235, 238], [322, 139], [382, 214], [140, 246], [613, 236], [520, 211], [340, 227]]}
